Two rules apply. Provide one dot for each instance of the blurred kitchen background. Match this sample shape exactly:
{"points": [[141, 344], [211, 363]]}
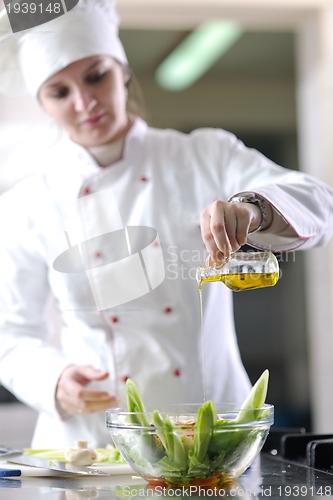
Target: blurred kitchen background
{"points": [[273, 87]]}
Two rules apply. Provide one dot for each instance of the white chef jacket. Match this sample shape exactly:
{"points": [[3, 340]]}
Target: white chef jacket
{"points": [[163, 181]]}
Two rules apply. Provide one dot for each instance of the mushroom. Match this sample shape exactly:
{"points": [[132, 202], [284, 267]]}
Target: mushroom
{"points": [[81, 454]]}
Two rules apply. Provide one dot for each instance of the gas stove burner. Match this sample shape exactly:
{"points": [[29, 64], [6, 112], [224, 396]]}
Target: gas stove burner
{"points": [[305, 448], [315, 450]]}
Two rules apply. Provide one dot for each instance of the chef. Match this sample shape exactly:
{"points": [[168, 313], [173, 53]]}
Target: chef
{"points": [[111, 230]]}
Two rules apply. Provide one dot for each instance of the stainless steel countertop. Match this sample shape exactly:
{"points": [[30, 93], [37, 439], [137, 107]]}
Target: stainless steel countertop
{"points": [[268, 477]]}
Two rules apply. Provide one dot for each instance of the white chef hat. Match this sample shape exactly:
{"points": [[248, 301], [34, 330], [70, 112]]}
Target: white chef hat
{"points": [[30, 57]]}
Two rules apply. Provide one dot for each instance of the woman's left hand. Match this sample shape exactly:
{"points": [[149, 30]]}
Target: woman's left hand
{"points": [[225, 226], [73, 395]]}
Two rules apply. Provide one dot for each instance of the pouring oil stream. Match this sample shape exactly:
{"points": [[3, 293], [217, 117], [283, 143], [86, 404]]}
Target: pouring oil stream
{"points": [[265, 274]]}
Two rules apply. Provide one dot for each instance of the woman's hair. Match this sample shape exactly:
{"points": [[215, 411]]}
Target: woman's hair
{"points": [[135, 101]]}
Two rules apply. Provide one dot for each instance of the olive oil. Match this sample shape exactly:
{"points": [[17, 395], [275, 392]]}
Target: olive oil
{"points": [[203, 371], [242, 271], [242, 281]]}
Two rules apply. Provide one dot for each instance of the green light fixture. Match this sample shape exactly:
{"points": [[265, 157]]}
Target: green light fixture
{"points": [[196, 54]]}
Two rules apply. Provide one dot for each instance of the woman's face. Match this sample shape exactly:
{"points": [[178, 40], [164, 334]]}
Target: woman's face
{"points": [[88, 100]]}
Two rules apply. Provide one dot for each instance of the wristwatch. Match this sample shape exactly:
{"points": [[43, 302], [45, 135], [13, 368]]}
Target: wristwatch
{"points": [[255, 199]]}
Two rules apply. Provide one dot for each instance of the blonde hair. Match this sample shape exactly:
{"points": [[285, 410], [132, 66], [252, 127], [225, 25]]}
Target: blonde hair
{"points": [[136, 101]]}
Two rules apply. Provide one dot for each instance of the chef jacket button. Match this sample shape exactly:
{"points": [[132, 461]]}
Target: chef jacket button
{"points": [[143, 178], [85, 190], [124, 378], [177, 372], [114, 319], [167, 310], [97, 254], [155, 243]]}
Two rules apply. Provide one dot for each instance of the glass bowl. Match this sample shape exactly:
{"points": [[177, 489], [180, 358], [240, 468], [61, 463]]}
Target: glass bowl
{"points": [[184, 450]]}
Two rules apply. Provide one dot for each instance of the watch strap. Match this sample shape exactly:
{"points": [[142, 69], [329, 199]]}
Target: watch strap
{"points": [[255, 200]]}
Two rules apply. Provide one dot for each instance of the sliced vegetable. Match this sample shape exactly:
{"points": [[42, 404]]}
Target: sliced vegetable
{"points": [[171, 441], [52, 454], [203, 430], [110, 454], [148, 446], [254, 400], [135, 404]]}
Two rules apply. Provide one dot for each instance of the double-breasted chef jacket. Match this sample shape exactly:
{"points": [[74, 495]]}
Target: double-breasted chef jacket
{"points": [[162, 182]]}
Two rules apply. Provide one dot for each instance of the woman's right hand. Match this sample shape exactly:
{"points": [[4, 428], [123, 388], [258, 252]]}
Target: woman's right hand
{"points": [[74, 396], [225, 227]]}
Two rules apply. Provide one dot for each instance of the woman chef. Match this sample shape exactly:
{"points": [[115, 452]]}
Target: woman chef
{"points": [[110, 228]]}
